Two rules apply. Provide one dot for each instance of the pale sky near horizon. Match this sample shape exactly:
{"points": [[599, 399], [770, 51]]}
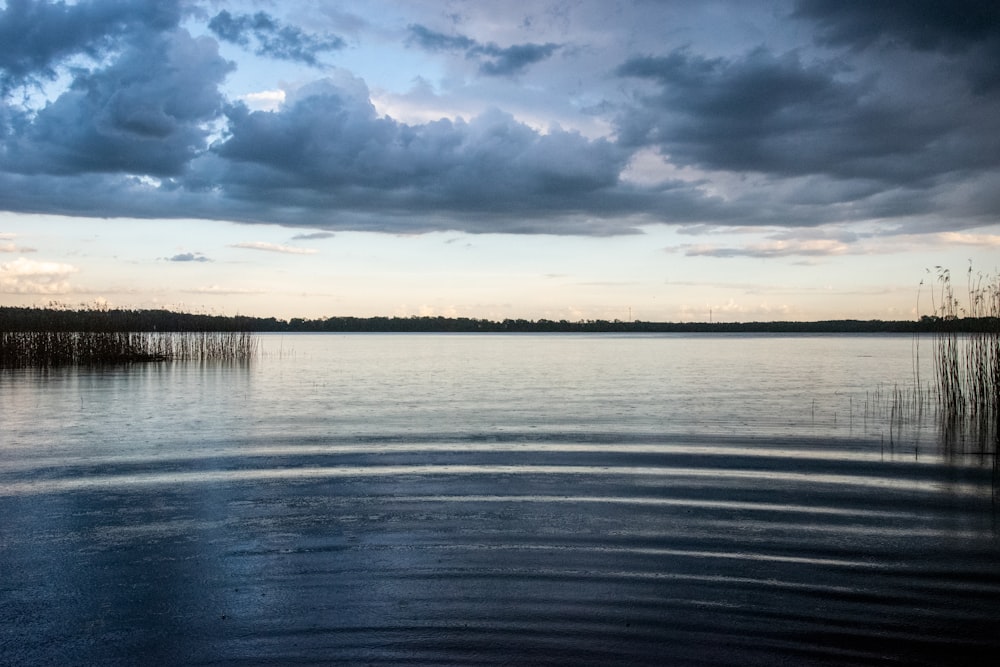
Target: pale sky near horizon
{"points": [[578, 159]]}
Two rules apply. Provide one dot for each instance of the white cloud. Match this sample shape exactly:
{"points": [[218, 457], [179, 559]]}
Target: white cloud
{"points": [[274, 247], [265, 100], [6, 244], [25, 276], [960, 238]]}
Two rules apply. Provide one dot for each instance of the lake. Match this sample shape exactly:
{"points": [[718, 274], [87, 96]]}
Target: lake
{"points": [[496, 499]]}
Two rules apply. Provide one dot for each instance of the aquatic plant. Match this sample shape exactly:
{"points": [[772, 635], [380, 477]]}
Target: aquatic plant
{"points": [[961, 403], [57, 348], [967, 364], [900, 412]]}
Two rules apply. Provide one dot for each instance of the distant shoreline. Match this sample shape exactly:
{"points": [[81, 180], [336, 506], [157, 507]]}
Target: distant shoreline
{"points": [[47, 319]]}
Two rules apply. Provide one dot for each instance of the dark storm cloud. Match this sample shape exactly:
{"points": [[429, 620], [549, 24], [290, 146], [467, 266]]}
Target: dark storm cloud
{"points": [[493, 59], [272, 37], [329, 148], [966, 29], [922, 24], [770, 114], [37, 36], [780, 116], [326, 159], [144, 113], [794, 139], [623, 210]]}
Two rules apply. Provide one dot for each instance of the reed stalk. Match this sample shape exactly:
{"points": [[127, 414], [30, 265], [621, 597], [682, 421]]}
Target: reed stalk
{"points": [[967, 366], [58, 348]]}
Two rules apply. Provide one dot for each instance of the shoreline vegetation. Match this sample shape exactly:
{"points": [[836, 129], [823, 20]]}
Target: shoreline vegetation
{"points": [[964, 394], [967, 368], [102, 320], [40, 349]]}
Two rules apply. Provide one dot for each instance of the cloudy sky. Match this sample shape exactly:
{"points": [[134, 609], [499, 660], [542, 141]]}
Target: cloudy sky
{"points": [[570, 159]]}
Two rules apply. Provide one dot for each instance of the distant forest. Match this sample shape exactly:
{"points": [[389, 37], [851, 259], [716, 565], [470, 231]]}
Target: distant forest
{"points": [[98, 319]]}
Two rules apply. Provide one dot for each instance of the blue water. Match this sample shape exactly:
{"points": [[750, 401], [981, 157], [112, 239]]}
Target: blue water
{"points": [[493, 499]]}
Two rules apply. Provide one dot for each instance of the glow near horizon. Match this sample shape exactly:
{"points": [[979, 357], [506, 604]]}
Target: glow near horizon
{"points": [[484, 276], [861, 267]]}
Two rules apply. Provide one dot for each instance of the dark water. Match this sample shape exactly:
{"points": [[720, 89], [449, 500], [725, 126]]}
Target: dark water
{"points": [[493, 500]]}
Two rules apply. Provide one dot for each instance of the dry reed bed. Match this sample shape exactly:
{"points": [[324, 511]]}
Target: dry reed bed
{"points": [[57, 348]]}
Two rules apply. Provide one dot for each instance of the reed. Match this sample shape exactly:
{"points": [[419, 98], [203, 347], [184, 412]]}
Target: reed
{"points": [[967, 365], [962, 401], [58, 348], [903, 410]]}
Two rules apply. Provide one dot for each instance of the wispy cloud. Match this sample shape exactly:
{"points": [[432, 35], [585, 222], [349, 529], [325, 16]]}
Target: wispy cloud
{"points": [[829, 242], [7, 245], [314, 236], [808, 248], [274, 247], [765, 289], [10, 247], [218, 289], [959, 238]]}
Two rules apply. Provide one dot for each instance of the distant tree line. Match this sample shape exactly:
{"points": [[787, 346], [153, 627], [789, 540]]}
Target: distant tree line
{"points": [[111, 320], [114, 320]]}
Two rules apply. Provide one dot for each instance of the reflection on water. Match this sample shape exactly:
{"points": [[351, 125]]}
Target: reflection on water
{"points": [[483, 499]]}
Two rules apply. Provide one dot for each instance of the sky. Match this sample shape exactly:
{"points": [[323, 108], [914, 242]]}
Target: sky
{"points": [[562, 159]]}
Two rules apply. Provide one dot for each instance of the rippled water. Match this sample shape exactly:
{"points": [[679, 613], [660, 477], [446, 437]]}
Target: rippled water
{"points": [[488, 499]]}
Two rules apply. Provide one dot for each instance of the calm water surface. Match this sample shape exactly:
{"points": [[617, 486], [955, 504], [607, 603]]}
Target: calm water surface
{"points": [[492, 499]]}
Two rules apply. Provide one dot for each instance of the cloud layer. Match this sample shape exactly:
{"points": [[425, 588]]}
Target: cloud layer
{"points": [[884, 111]]}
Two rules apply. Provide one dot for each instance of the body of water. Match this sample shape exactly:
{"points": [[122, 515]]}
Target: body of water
{"points": [[493, 499]]}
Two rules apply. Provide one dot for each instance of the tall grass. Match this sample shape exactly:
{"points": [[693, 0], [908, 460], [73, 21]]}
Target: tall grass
{"points": [[56, 348], [967, 365], [902, 409]]}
